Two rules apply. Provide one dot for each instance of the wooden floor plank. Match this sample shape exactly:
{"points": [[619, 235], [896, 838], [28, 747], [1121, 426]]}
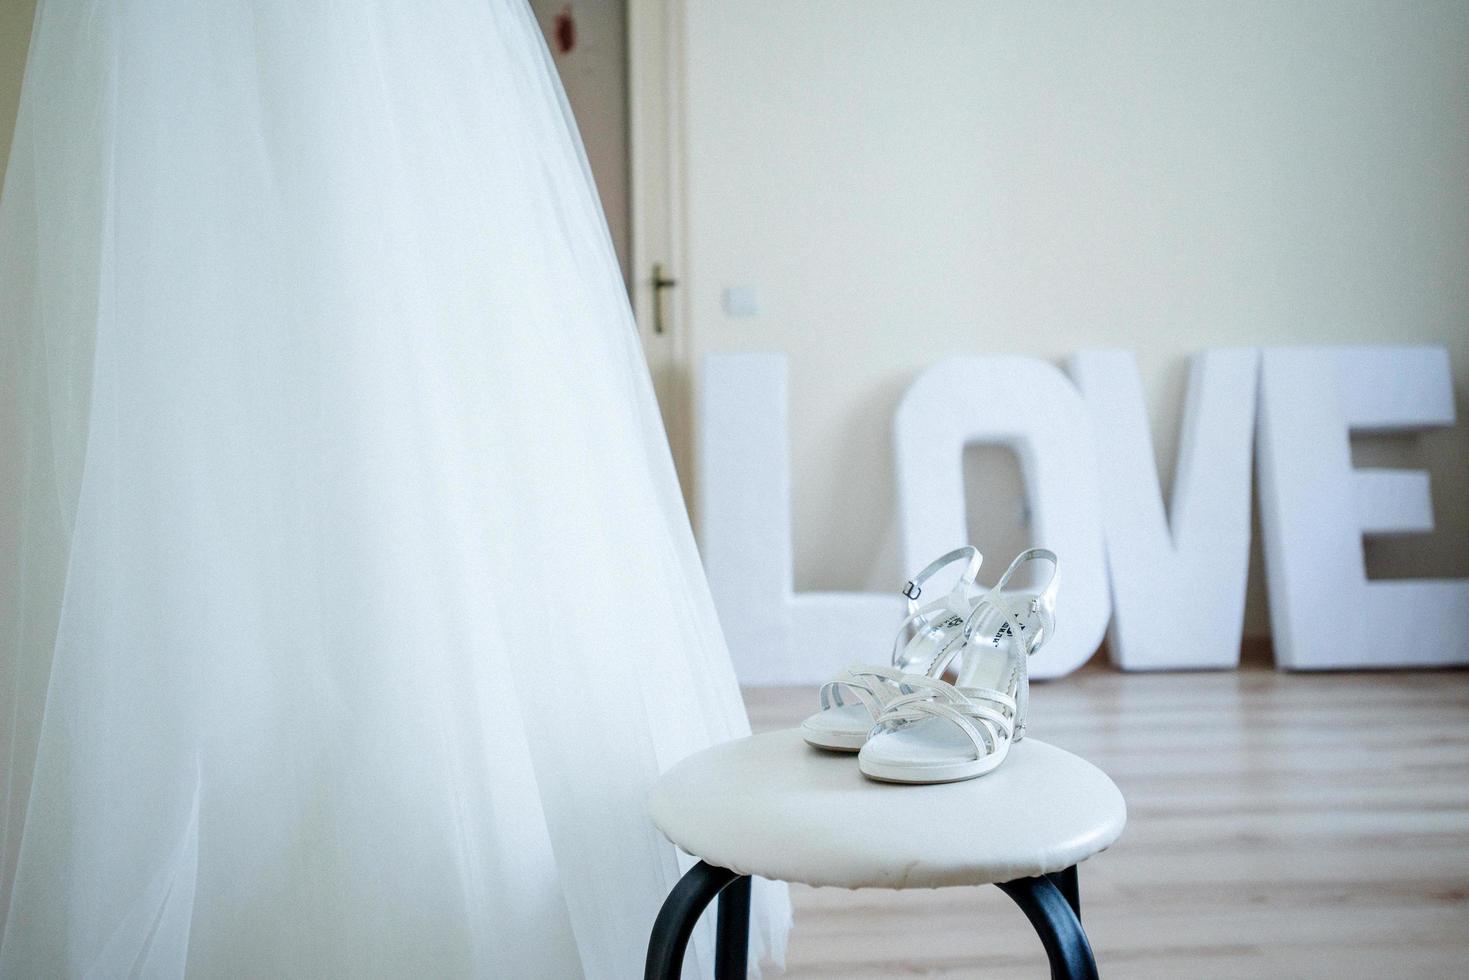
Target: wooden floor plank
{"points": [[1301, 825]]}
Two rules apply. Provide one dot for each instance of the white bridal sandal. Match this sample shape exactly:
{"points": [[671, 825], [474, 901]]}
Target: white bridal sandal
{"points": [[941, 733], [923, 645]]}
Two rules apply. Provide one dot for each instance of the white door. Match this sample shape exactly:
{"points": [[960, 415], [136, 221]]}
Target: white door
{"points": [[655, 184], [611, 57]]}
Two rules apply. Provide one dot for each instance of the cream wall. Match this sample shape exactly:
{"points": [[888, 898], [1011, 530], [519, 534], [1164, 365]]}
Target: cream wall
{"points": [[904, 181]]}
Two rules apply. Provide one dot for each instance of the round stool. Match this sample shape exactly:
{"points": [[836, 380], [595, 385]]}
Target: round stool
{"points": [[773, 806]]}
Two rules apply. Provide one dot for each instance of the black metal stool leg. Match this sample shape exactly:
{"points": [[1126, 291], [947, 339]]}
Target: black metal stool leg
{"points": [[1066, 881], [1056, 922], [680, 912], [732, 937]]}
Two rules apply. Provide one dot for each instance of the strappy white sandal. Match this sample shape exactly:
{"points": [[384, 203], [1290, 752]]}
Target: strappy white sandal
{"points": [[942, 732], [922, 642]]}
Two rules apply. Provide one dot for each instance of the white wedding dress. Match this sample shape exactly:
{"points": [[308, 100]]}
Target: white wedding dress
{"points": [[348, 606]]}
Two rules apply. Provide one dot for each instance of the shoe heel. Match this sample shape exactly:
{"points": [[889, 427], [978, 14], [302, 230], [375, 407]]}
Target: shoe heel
{"points": [[1022, 702]]}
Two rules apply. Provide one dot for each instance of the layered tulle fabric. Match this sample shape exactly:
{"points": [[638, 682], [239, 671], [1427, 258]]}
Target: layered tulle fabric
{"points": [[348, 606]]}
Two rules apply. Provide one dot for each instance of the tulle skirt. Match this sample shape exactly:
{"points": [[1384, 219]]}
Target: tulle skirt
{"points": [[348, 605]]}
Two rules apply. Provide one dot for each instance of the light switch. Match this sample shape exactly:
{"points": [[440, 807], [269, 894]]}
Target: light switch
{"points": [[741, 300]]}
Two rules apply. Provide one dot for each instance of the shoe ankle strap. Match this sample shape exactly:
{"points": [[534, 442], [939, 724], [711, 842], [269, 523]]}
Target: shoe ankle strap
{"points": [[913, 588]]}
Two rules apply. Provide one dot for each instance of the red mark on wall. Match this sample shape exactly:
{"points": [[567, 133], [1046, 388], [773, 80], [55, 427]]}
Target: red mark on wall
{"points": [[565, 32]]}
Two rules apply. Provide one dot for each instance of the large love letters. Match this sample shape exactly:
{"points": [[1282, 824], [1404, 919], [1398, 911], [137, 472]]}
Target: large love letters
{"points": [[1167, 587]]}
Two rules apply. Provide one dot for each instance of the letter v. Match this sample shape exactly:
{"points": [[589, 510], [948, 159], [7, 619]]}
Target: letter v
{"points": [[1178, 581]]}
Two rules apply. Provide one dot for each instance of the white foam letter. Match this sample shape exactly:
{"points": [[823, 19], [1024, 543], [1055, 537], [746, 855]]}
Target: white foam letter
{"points": [[1178, 580], [775, 635], [1029, 406], [1324, 613]]}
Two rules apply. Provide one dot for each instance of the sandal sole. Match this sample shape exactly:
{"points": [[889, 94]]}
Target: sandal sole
{"points": [[832, 741]]}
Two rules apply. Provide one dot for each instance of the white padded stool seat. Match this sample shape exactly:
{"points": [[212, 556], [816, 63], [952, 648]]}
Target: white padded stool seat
{"points": [[773, 806]]}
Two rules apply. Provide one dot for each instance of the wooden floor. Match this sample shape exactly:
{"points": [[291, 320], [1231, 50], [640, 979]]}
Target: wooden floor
{"points": [[1279, 825]]}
